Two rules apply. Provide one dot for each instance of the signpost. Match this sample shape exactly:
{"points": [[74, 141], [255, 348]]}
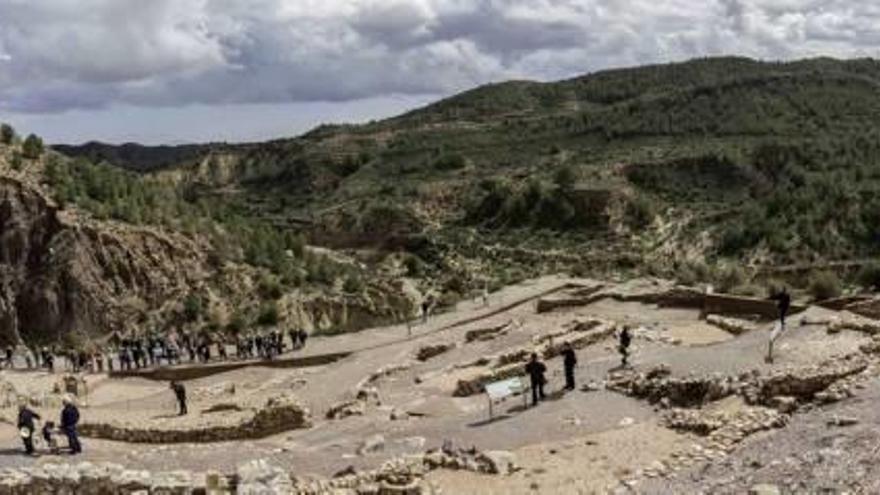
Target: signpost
{"points": [[498, 391]]}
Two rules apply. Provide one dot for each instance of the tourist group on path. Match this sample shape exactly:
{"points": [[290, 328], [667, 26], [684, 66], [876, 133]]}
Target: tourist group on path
{"points": [[138, 353], [27, 428]]}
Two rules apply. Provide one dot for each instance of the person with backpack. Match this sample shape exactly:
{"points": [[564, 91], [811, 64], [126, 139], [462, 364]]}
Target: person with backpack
{"points": [[26, 427]]}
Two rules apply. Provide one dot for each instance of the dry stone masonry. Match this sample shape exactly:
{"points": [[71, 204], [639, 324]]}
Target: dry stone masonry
{"points": [[276, 415]]}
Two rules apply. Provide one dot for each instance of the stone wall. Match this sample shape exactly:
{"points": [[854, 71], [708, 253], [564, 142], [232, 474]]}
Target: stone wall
{"points": [[398, 476], [279, 414]]}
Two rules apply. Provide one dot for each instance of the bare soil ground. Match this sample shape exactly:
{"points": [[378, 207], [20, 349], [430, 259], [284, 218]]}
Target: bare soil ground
{"points": [[576, 442]]}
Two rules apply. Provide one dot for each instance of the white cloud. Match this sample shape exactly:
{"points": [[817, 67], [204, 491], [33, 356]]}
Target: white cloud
{"points": [[58, 55]]}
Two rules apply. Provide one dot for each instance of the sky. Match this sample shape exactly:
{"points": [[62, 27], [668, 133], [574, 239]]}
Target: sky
{"points": [[176, 71]]}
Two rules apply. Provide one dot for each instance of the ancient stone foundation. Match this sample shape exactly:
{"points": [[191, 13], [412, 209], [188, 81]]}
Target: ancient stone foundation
{"points": [[402, 476], [277, 415]]}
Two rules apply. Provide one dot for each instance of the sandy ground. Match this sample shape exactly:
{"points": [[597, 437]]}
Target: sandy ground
{"points": [[579, 442]]}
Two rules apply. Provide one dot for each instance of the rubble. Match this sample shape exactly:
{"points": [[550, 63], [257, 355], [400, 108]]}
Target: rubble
{"points": [[483, 334], [734, 326], [427, 352]]}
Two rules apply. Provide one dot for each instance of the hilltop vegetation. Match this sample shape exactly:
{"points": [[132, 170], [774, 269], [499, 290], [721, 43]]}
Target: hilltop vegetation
{"points": [[716, 161]]}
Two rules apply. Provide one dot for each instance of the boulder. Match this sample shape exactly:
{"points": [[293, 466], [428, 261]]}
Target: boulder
{"points": [[497, 462], [371, 445]]}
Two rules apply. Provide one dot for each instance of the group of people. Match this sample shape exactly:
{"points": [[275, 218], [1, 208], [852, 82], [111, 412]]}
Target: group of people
{"points": [[27, 427], [537, 370], [137, 353]]}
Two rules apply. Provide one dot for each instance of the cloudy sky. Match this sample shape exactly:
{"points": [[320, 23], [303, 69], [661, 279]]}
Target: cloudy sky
{"points": [[194, 70]]}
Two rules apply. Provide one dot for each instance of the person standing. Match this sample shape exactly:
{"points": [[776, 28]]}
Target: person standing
{"points": [[536, 370], [69, 421], [624, 341], [426, 308], [569, 361], [180, 394], [26, 426], [9, 353]]}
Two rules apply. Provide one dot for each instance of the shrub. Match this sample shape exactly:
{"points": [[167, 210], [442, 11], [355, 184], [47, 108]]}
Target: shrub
{"points": [[236, 324], [639, 212], [414, 266], [192, 307], [729, 276], [270, 289], [352, 284], [15, 162], [565, 177], [824, 285], [32, 147], [450, 162], [7, 134], [869, 276], [268, 315]]}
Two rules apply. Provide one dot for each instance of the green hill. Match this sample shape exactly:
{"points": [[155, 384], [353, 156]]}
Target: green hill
{"points": [[659, 168]]}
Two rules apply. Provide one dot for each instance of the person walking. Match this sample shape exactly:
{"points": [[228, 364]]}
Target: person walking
{"points": [[26, 427], [180, 394], [783, 303], [69, 421], [624, 341], [536, 370], [569, 361]]}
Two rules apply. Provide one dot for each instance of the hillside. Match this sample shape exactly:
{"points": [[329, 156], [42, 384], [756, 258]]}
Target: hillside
{"points": [[715, 169], [88, 251]]}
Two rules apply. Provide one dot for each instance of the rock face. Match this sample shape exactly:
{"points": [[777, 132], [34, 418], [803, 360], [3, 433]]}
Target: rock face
{"points": [[59, 275], [62, 271], [277, 415]]}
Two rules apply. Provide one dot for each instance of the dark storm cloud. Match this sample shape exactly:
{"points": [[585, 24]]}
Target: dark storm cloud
{"points": [[57, 55]]}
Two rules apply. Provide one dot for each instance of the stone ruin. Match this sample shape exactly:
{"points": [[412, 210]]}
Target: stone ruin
{"points": [[401, 476], [430, 351], [798, 384], [276, 415]]}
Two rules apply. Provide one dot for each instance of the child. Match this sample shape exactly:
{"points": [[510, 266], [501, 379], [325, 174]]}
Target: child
{"points": [[51, 442]]}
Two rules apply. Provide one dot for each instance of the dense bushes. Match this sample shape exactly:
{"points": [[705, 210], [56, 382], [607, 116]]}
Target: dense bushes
{"points": [[502, 204], [824, 285]]}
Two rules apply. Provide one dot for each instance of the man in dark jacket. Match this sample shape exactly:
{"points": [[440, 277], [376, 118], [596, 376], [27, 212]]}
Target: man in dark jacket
{"points": [[180, 393], [26, 426], [624, 340], [69, 420], [783, 303], [569, 361], [536, 370]]}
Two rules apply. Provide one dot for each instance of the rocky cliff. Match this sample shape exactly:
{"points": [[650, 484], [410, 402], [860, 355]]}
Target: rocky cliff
{"points": [[66, 277]]}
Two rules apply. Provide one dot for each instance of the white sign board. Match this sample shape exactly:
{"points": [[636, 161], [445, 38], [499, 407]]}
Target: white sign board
{"points": [[506, 388]]}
